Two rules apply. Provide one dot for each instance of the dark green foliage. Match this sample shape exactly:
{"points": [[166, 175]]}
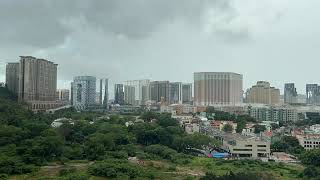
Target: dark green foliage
{"points": [[28, 141], [240, 126], [259, 128], [237, 176], [168, 153], [115, 168], [311, 172], [228, 128], [311, 157], [288, 144]]}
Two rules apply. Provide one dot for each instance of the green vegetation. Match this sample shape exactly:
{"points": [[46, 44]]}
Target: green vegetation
{"points": [[288, 144], [259, 128], [241, 120], [98, 146], [228, 128]]}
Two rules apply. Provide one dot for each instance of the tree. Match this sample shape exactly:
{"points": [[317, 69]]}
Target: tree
{"points": [[311, 172], [259, 128], [240, 126], [228, 128], [311, 157]]}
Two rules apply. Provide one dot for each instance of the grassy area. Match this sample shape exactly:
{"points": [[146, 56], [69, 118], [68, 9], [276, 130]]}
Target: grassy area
{"points": [[167, 170], [221, 167]]}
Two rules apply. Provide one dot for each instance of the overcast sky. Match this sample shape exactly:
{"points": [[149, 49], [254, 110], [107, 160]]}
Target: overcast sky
{"points": [[272, 40]]}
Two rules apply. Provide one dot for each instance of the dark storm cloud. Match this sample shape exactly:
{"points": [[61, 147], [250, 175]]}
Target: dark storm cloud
{"points": [[46, 23]]}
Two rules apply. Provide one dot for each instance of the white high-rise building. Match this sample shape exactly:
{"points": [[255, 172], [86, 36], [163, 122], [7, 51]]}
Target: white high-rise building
{"points": [[83, 92]]}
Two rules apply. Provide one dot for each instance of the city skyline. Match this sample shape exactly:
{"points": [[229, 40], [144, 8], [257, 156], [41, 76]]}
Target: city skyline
{"points": [[165, 40]]}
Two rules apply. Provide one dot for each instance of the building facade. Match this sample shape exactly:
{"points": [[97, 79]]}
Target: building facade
{"points": [[118, 94], [262, 93], [175, 89], [136, 92], [12, 77], [290, 94], [37, 83], [104, 92], [275, 114], [313, 94], [217, 88], [63, 95], [187, 93], [83, 92], [159, 91]]}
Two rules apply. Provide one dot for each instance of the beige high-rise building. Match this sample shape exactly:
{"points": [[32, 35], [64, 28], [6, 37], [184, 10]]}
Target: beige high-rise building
{"points": [[37, 83], [12, 77], [263, 93], [217, 88]]}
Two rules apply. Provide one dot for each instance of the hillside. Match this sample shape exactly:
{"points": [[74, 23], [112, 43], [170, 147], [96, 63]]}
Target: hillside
{"points": [[98, 146]]}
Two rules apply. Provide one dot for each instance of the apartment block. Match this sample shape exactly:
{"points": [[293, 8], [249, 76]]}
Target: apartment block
{"points": [[217, 88]]}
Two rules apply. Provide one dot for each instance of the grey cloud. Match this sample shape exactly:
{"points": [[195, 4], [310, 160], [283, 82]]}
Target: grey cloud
{"points": [[47, 23]]}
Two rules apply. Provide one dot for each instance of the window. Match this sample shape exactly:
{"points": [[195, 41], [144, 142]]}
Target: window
{"points": [[248, 145], [242, 149], [262, 145], [262, 150]]}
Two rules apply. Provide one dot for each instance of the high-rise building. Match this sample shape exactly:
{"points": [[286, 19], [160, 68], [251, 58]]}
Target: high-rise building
{"points": [[136, 92], [12, 77], [290, 94], [217, 88], [83, 92], [187, 93], [118, 94], [106, 93], [37, 83], [103, 93], [159, 91], [263, 93], [63, 95], [175, 89], [313, 94]]}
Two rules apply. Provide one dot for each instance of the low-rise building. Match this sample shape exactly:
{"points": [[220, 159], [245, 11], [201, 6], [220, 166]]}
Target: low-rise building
{"points": [[245, 147]]}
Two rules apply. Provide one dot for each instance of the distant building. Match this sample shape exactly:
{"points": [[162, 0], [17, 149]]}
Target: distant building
{"points": [[187, 93], [136, 92], [12, 77], [83, 92], [34, 81], [118, 94], [63, 95], [104, 92], [217, 88], [290, 94], [275, 114], [262, 93], [313, 94], [159, 91], [175, 89]]}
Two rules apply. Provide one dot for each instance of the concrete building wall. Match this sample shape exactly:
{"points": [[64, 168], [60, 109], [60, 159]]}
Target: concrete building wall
{"points": [[136, 92], [12, 77], [63, 95], [175, 93], [187, 93], [119, 94], [217, 88], [262, 93], [159, 91], [83, 92]]}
